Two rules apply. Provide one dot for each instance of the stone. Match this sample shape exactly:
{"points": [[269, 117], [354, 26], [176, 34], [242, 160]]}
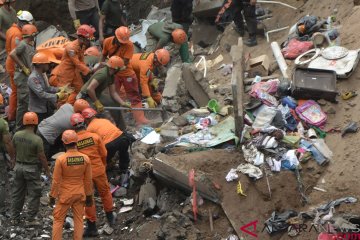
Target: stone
{"points": [[180, 121], [121, 192], [172, 81]]}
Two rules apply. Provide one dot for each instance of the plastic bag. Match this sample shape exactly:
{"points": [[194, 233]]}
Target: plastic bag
{"points": [[295, 48]]}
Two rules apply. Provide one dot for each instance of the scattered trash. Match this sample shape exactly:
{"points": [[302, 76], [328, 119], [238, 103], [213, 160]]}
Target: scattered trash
{"points": [[319, 189], [232, 175], [125, 209], [250, 170], [239, 189], [351, 127], [152, 138], [278, 222], [126, 201]]}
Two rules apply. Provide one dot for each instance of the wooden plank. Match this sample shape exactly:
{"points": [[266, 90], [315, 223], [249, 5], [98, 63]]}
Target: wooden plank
{"points": [[237, 85]]}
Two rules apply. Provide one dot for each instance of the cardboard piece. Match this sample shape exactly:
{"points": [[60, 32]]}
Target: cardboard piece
{"points": [[258, 66]]}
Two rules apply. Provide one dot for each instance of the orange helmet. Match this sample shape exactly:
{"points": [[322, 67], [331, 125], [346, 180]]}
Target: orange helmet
{"points": [[86, 31], [76, 119], [162, 56], [92, 51], [40, 58], [29, 30], [30, 118], [115, 62], [179, 36], [80, 105], [69, 136], [88, 113], [123, 34]]}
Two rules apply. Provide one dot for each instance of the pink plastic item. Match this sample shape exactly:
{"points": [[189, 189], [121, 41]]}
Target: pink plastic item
{"points": [[311, 113], [295, 48], [269, 87]]}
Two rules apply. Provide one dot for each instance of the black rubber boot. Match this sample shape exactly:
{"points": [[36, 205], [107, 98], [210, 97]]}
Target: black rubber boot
{"points": [[90, 230], [251, 42], [111, 217]]}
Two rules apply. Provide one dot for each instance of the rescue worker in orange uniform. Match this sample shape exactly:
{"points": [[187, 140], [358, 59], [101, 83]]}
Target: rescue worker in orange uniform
{"points": [[72, 64], [13, 37], [115, 140], [144, 65], [93, 146], [121, 46], [71, 186]]}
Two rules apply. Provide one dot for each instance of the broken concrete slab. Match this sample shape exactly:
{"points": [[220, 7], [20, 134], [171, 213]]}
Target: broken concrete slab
{"points": [[174, 95], [164, 168], [197, 86], [48, 33], [207, 8], [172, 81]]}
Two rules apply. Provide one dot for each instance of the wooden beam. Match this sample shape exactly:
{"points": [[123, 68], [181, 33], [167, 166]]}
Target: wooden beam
{"points": [[237, 85]]}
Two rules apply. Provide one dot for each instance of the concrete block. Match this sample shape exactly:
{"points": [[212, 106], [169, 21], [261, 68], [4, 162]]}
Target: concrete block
{"points": [[172, 81]]}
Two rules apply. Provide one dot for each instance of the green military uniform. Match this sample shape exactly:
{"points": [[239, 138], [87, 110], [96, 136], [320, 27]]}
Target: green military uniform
{"points": [[25, 52], [4, 129], [104, 79], [91, 61], [7, 18], [159, 34], [112, 11], [27, 169]]}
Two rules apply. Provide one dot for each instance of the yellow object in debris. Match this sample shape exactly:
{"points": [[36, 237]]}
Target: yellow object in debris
{"points": [[348, 95], [239, 189], [77, 23]]}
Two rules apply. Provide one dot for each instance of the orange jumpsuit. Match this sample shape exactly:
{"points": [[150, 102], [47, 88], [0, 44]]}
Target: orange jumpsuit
{"points": [[105, 129], [92, 145], [13, 37], [125, 81], [70, 185], [68, 71], [143, 65]]}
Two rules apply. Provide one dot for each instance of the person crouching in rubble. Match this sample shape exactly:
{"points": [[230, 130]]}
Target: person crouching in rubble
{"points": [[71, 186], [101, 80], [161, 34], [29, 157], [72, 67], [42, 97], [93, 146], [144, 65], [22, 56], [51, 128], [115, 140]]}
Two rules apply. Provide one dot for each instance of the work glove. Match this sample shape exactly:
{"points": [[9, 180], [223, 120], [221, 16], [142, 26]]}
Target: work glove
{"points": [[76, 23], [154, 83], [25, 70], [98, 105], [62, 96], [51, 201], [151, 102], [89, 201], [66, 89], [126, 104]]}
